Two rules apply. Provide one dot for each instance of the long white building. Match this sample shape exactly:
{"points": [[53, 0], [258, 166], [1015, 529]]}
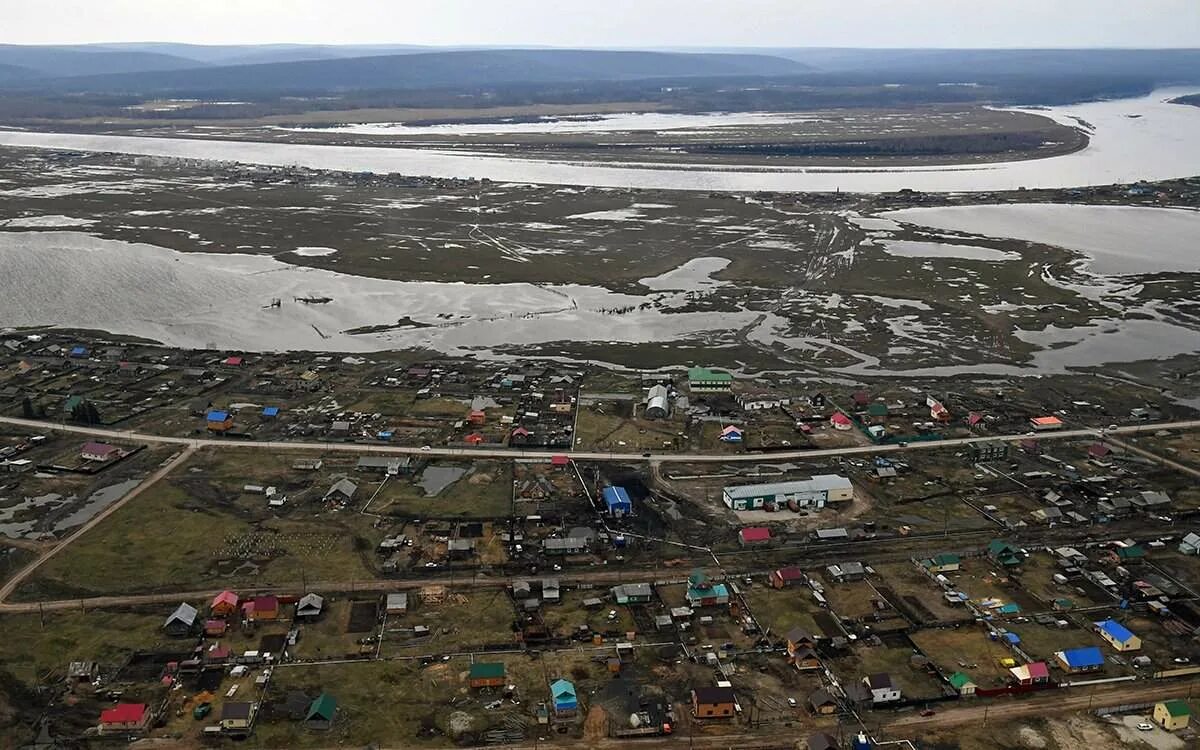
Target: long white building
{"points": [[814, 492]]}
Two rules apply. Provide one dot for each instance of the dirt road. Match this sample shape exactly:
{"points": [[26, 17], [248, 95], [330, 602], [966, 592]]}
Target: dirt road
{"points": [[143, 437], [19, 578]]}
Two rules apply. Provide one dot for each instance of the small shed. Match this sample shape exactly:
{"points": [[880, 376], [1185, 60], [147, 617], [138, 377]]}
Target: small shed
{"points": [[310, 607], [321, 712], [182, 621]]}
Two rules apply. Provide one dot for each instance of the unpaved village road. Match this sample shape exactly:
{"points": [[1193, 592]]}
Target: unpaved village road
{"points": [[19, 578], [143, 437]]}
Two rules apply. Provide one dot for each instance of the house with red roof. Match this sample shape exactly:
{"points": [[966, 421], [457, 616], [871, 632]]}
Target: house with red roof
{"points": [[731, 434], [264, 608], [224, 604], [215, 628], [218, 655], [840, 421], [784, 577], [125, 717], [233, 361], [476, 417], [560, 461], [100, 452], [754, 536], [474, 438], [1046, 423], [1036, 673]]}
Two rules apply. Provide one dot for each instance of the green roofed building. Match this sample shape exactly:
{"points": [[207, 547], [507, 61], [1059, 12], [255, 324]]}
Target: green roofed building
{"points": [[1005, 554], [962, 683], [486, 674], [704, 380], [320, 712]]}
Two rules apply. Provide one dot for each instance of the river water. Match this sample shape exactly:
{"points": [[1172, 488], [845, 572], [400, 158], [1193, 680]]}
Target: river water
{"points": [[1144, 138]]}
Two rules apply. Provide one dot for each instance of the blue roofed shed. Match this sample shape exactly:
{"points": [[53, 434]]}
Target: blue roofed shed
{"points": [[617, 500], [271, 411]]}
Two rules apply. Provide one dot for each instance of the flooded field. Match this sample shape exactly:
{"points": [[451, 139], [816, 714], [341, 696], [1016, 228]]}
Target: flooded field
{"points": [[265, 260]]}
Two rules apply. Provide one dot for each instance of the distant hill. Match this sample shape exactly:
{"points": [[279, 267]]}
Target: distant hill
{"points": [[253, 54], [960, 65], [64, 61], [427, 70], [9, 73]]}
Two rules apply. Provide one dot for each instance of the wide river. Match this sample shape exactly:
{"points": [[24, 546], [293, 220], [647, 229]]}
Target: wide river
{"points": [[1145, 138]]}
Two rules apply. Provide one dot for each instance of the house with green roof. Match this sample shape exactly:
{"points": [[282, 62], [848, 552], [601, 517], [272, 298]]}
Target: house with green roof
{"points": [[962, 683], [321, 712], [946, 562], [704, 380], [1004, 554], [486, 674], [1172, 715], [1127, 554]]}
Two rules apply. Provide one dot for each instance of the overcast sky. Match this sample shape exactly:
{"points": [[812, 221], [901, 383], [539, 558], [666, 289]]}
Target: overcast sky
{"points": [[613, 23]]}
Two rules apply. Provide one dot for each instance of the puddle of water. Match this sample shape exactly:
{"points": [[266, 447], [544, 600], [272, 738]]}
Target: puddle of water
{"points": [[692, 276], [434, 479], [98, 501], [911, 249], [18, 529]]}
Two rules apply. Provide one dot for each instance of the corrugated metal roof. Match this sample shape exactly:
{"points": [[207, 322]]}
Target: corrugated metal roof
{"points": [[818, 483]]}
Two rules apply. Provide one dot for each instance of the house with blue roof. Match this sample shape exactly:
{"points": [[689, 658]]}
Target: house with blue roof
{"points": [[270, 412], [566, 702], [1118, 636], [617, 500], [1080, 660], [219, 421], [79, 352], [708, 595]]}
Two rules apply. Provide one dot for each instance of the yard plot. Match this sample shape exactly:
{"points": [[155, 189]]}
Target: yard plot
{"points": [[443, 489], [779, 610], [1183, 568], [915, 682], [425, 705], [854, 600], [1158, 643], [967, 649], [981, 582], [609, 426], [917, 595], [32, 650], [198, 528], [1037, 578], [458, 620], [570, 614], [935, 514], [1043, 641]]}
